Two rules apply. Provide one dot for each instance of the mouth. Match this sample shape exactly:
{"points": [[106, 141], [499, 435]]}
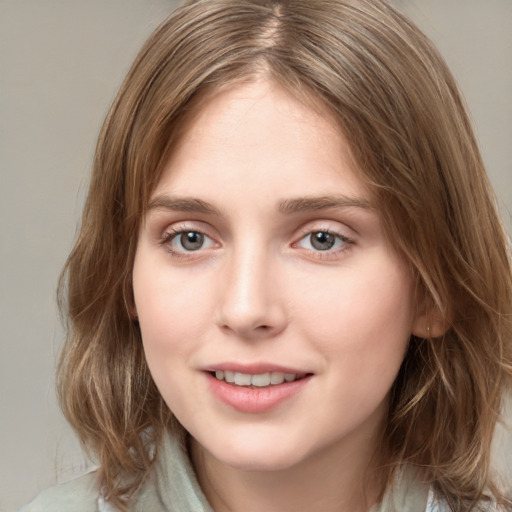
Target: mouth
{"points": [[258, 380], [254, 390]]}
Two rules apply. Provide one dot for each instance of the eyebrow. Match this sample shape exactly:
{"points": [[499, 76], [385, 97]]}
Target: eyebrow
{"points": [[286, 207], [182, 204], [305, 204]]}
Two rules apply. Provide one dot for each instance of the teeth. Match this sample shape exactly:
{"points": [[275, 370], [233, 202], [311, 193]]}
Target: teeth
{"points": [[259, 380], [277, 378], [242, 379]]}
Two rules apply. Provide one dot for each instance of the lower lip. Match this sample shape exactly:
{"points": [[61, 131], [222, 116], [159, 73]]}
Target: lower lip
{"points": [[255, 400]]}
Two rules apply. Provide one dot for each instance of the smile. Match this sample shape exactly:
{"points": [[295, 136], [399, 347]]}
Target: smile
{"points": [[256, 392], [259, 380]]}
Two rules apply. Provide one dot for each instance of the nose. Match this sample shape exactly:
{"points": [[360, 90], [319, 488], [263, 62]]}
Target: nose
{"points": [[251, 301]]}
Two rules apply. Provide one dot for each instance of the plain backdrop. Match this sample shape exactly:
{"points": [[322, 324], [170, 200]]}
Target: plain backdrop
{"points": [[61, 63]]}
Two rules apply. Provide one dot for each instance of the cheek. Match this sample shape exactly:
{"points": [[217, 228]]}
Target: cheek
{"points": [[365, 311], [167, 302], [172, 317]]}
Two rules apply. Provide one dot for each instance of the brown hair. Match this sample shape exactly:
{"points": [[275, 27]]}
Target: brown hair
{"points": [[398, 105]]}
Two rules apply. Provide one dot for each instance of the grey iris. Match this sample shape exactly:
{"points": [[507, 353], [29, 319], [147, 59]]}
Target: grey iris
{"points": [[322, 241], [191, 241]]}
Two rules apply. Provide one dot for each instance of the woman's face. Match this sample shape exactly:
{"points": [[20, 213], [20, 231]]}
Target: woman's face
{"points": [[263, 261]]}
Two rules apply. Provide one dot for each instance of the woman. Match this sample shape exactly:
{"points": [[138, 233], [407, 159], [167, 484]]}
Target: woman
{"points": [[291, 289]]}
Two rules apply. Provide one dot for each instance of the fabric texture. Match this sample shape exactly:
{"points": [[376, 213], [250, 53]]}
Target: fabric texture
{"points": [[407, 494], [174, 488], [78, 495]]}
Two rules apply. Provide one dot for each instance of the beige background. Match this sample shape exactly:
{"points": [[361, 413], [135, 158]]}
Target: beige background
{"points": [[60, 65]]}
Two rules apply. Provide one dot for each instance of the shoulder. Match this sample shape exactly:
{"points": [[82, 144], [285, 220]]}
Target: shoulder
{"points": [[436, 505], [77, 495], [440, 505]]}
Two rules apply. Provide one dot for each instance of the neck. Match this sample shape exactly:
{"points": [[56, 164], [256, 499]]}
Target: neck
{"points": [[334, 480]]}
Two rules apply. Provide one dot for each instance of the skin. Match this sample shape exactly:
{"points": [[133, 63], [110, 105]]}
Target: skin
{"points": [[258, 291]]}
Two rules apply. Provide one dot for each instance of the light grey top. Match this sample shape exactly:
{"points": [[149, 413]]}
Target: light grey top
{"points": [[174, 488]]}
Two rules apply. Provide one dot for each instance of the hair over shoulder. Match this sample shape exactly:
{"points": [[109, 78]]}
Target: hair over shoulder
{"points": [[398, 105]]}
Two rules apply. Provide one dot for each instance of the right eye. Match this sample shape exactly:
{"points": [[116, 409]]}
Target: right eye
{"points": [[186, 241]]}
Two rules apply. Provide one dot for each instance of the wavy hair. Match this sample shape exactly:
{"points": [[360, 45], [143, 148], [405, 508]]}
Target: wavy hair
{"points": [[398, 105]]}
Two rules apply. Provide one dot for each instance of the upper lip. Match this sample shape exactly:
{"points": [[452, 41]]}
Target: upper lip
{"points": [[253, 368]]}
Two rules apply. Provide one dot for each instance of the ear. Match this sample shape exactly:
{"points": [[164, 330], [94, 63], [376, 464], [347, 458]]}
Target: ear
{"points": [[429, 322], [133, 312], [130, 306], [129, 299]]}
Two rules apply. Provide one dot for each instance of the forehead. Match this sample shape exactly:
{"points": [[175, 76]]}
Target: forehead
{"points": [[255, 131]]}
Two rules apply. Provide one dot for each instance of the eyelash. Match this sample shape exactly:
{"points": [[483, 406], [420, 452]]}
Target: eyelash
{"points": [[329, 254], [173, 233]]}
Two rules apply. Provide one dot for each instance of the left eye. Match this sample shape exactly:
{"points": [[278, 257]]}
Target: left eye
{"points": [[189, 241], [322, 241]]}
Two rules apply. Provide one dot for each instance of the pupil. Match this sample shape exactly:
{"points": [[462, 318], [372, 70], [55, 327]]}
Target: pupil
{"points": [[192, 240], [322, 241]]}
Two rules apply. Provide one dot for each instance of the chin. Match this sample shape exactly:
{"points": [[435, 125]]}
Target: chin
{"points": [[256, 456], [268, 462]]}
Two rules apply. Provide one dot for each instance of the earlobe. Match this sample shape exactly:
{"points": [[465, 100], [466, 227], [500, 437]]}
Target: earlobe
{"points": [[430, 324], [131, 309], [129, 300]]}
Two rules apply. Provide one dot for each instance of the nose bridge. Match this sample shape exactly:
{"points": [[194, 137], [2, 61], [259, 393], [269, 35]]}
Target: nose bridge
{"points": [[250, 302]]}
